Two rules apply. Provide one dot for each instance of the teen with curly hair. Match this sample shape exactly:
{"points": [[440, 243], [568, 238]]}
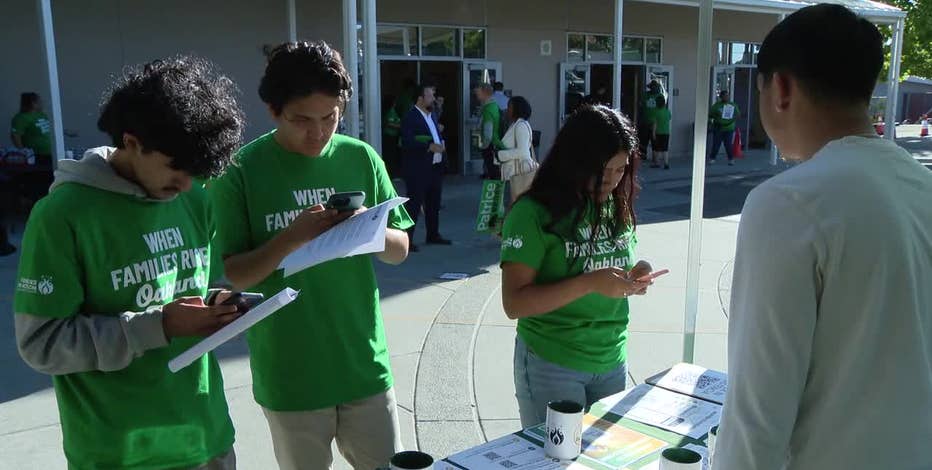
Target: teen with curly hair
{"points": [[114, 274]]}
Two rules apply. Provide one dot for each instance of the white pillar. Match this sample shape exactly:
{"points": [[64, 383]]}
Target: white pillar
{"points": [[616, 49], [292, 22], [893, 80], [51, 61], [774, 151], [405, 41], [704, 65], [351, 62], [373, 105]]}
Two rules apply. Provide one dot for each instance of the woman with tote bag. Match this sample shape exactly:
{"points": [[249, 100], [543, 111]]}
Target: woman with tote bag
{"points": [[517, 160]]}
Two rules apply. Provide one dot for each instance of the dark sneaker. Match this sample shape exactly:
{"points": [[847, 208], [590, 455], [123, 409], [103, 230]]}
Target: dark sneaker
{"points": [[7, 250], [438, 241]]}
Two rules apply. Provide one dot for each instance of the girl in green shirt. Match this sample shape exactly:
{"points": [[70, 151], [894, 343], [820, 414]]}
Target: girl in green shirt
{"points": [[568, 265]]}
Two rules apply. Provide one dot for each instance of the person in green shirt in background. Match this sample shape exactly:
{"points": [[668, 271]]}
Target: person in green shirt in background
{"points": [[568, 265], [320, 366], [723, 116], [32, 129], [113, 277], [661, 134], [391, 137], [646, 117], [490, 127]]}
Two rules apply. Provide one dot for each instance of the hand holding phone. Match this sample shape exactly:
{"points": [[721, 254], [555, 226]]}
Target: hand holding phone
{"points": [[244, 301], [347, 201], [651, 276], [640, 269]]}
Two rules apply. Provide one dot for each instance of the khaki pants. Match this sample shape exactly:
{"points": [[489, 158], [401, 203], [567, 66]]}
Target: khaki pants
{"points": [[520, 184], [366, 432]]}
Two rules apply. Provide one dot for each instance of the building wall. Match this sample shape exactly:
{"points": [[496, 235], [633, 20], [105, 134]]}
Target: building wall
{"points": [[916, 105], [915, 88], [515, 32], [24, 64], [97, 38]]}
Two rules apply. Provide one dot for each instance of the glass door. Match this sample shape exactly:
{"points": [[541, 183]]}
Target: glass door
{"points": [[574, 87], [723, 79], [474, 74], [664, 75]]}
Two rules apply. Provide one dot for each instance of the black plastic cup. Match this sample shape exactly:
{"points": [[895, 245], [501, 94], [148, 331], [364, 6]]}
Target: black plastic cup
{"points": [[681, 455], [411, 460], [565, 406]]}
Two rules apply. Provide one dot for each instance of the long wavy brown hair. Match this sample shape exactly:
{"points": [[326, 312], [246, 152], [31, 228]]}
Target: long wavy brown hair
{"points": [[589, 138]]}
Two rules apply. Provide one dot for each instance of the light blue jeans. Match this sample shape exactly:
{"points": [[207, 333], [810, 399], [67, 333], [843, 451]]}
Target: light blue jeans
{"points": [[538, 382]]}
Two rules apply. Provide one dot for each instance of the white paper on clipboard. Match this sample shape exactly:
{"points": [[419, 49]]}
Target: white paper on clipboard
{"points": [[361, 234], [236, 327]]}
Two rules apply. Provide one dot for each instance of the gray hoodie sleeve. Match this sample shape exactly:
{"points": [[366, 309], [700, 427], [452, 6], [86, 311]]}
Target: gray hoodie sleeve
{"points": [[82, 343], [771, 325]]}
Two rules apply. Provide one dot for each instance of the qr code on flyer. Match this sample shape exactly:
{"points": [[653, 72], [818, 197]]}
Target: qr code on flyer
{"points": [[491, 456], [701, 382]]}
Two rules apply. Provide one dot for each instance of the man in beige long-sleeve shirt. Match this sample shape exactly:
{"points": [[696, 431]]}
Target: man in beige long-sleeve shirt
{"points": [[830, 333]]}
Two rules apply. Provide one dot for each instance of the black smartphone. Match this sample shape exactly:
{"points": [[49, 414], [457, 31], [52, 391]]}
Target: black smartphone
{"points": [[244, 301], [346, 202]]}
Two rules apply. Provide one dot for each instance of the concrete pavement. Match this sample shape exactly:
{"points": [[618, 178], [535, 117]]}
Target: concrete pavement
{"points": [[450, 341]]}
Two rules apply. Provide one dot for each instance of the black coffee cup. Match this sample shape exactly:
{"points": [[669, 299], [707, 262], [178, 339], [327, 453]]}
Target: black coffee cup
{"points": [[411, 460]]}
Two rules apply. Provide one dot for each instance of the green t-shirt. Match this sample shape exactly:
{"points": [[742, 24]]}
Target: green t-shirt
{"points": [[392, 124], [662, 118], [588, 334], [648, 106], [328, 346], [87, 250], [724, 116], [491, 113], [35, 130]]}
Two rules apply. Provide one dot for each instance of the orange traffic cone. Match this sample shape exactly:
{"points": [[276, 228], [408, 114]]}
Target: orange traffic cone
{"points": [[925, 128], [736, 145]]}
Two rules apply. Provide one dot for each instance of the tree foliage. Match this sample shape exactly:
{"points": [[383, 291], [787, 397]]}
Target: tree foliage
{"points": [[917, 38]]}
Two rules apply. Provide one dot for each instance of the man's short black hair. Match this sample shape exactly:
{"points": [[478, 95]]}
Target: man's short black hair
{"points": [[300, 69], [498, 86], [420, 88], [835, 54], [661, 102], [178, 106], [520, 107]]}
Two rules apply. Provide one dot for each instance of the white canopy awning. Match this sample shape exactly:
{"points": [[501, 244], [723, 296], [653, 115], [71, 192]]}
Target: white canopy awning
{"points": [[877, 12]]}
